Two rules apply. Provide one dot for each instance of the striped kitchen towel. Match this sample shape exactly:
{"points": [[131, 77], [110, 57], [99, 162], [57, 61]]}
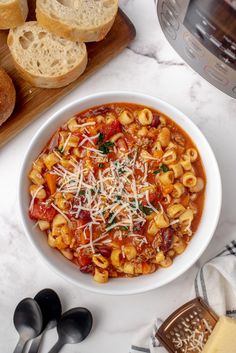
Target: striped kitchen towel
{"points": [[215, 282]]}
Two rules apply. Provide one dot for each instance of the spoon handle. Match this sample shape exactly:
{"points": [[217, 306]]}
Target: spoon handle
{"points": [[20, 346], [57, 347], [36, 344]]}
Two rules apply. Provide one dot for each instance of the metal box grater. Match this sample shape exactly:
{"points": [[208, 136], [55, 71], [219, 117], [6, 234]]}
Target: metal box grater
{"points": [[188, 328]]}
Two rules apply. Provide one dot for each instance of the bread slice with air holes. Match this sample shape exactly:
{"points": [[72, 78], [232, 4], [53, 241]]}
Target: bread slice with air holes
{"points": [[44, 59], [12, 13], [77, 20]]}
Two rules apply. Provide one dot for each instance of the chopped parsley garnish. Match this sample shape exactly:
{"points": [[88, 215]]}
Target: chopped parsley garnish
{"points": [[82, 192], [163, 168], [100, 137], [60, 149], [132, 203], [101, 165], [105, 147], [109, 219], [125, 228], [146, 210], [118, 197]]}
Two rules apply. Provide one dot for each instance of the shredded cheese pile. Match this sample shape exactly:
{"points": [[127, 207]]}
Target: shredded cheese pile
{"points": [[112, 198]]}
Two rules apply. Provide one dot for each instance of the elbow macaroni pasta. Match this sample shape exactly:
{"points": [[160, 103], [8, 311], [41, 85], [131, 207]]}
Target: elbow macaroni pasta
{"points": [[145, 117], [164, 136], [189, 180], [126, 118], [169, 157], [167, 178], [177, 169]]}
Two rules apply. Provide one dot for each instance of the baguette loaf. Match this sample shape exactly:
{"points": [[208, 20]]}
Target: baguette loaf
{"points": [[77, 20], [12, 13], [44, 59], [7, 96]]}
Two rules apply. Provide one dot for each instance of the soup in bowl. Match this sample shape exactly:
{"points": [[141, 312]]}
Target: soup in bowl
{"points": [[116, 197]]}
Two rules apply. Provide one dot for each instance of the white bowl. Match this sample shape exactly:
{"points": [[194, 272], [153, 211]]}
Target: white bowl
{"points": [[124, 286]]}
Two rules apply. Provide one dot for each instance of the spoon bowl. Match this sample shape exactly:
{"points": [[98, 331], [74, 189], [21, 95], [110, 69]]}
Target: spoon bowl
{"points": [[28, 322], [50, 305], [74, 326]]}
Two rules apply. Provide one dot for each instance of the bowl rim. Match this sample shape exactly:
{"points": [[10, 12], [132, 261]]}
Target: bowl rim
{"points": [[134, 95]]}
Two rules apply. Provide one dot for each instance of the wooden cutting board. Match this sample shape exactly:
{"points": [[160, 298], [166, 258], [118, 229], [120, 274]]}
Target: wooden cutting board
{"points": [[31, 101]]}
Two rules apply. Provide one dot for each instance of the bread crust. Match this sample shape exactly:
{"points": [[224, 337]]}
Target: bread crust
{"points": [[13, 14], [71, 32], [7, 96], [53, 82]]}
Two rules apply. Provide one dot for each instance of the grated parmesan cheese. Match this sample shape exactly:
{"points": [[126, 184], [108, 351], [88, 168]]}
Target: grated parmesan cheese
{"points": [[66, 142], [193, 337], [34, 197], [114, 194], [61, 212]]}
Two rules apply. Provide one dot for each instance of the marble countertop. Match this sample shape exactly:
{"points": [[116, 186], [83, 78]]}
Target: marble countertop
{"points": [[150, 66]]}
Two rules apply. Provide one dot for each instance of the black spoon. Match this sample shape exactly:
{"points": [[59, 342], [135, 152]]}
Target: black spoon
{"points": [[50, 306], [28, 322], [74, 326]]}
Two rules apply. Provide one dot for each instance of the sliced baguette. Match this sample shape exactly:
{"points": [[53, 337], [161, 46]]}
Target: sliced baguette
{"points": [[44, 59], [77, 20], [12, 13]]}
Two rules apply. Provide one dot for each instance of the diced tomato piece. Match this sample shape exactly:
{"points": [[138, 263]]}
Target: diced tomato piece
{"points": [[84, 264], [79, 135], [112, 273], [79, 235], [112, 156], [145, 267], [82, 237], [130, 139], [84, 260], [111, 129], [42, 211], [122, 145], [184, 199], [83, 218], [96, 169], [140, 229], [154, 198]]}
